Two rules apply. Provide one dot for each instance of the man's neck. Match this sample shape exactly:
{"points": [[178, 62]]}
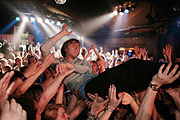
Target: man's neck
{"points": [[69, 59]]}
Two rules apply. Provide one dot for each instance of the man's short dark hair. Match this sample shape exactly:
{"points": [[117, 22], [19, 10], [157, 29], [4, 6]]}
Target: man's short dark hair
{"points": [[66, 44]]}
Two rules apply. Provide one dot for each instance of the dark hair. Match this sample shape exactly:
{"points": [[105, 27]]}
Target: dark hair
{"points": [[165, 105], [51, 111], [29, 57], [66, 44], [29, 105]]}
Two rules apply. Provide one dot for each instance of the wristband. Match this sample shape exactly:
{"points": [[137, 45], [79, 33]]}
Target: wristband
{"points": [[109, 109], [154, 87], [23, 78], [91, 116]]}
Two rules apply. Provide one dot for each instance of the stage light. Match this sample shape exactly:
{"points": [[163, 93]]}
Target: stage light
{"points": [[58, 23], [60, 1], [46, 21], [52, 22], [126, 11], [121, 13], [39, 19], [32, 19], [115, 13], [25, 19], [17, 18]]}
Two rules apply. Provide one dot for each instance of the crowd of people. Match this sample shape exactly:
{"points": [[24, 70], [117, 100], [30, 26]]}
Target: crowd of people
{"points": [[41, 83]]}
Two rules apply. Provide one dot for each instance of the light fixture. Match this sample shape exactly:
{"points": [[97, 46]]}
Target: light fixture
{"points": [[32, 19], [25, 19], [17, 18], [46, 21], [58, 23], [60, 1]]}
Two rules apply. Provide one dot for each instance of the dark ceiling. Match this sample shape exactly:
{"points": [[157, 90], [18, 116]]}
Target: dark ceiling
{"points": [[81, 10]]}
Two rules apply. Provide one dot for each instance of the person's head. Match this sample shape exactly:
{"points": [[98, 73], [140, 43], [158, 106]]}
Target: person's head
{"points": [[18, 61], [55, 112], [31, 59], [34, 92], [70, 48], [29, 105], [3, 62], [95, 67], [165, 106], [7, 68]]}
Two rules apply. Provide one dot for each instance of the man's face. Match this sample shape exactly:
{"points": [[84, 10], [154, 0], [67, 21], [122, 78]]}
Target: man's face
{"points": [[73, 50]]}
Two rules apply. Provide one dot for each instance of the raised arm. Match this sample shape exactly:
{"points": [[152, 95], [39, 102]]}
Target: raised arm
{"points": [[45, 48], [33, 72], [51, 90], [113, 103], [161, 78], [129, 100]]}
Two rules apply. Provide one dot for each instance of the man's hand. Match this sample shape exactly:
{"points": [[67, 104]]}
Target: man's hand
{"points": [[5, 88], [61, 68], [113, 101], [162, 78], [98, 104], [12, 110], [66, 30], [127, 98]]}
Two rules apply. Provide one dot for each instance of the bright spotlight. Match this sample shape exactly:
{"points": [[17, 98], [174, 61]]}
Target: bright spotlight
{"points": [[58, 23], [52, 22], [39, 19], [32, 19], [25, 19], [17, 18], [46, 21], [126, 11], [121, 13], [115, 13]]}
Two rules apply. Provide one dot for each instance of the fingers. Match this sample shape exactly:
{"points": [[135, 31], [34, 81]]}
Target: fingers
{"points": [[160, 69], [91, 96], [6, 79], [173, 71], [175, 77], [5, 106], [13, 106], [167, 69], [69, 72], [9, 88], [57, 70]]}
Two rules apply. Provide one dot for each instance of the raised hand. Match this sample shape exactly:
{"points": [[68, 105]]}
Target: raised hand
{"points": [[137, 51], [98, 105], [167, 52], [162, 78], [66, 30], [127, 98], [113, 101], [5, 88]]}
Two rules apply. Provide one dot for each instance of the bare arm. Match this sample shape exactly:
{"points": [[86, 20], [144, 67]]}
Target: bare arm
{"points": [[161, 78], [45, 48], [113, 103], [33, 73], [51, 90]]}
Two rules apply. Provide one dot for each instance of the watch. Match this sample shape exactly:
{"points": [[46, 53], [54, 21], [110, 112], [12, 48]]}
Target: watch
{"points": [[154, 87]]}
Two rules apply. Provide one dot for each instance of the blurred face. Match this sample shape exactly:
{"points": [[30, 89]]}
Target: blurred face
{"points": [[73, 49], [18, 61], [95, 69], [32, 60], [62, 115]]}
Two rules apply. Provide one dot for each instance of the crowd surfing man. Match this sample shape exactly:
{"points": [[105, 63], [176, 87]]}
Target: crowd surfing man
{"points": [[133, 75]]}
